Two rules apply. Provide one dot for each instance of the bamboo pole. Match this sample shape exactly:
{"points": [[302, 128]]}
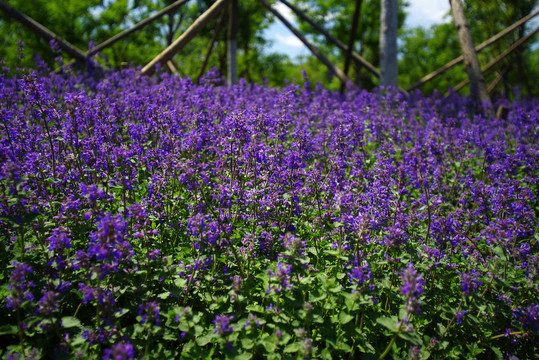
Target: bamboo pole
{"points": [[358, 58], [478, 48], [351, 40], [212, 42], [494, 62], [184, 38], [137, 26], [496, 81], [172, 68], [232, 43], [471, 62], [316, 52], [43, 32]]}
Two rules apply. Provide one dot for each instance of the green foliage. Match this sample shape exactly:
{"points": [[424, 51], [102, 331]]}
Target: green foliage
{"points": [[421, 50], [439, 45], [73, 20]]}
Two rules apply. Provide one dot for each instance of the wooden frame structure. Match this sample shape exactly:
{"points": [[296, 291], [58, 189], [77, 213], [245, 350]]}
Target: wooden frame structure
{"points": [[221, 7], [478, 48]]}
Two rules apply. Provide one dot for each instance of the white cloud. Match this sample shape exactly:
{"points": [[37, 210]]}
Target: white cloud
{"points": [[427, 12], [288, 40], [286, 12]]}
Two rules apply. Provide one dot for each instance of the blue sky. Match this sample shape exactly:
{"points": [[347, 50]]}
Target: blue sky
{"points": [[420, 13]]}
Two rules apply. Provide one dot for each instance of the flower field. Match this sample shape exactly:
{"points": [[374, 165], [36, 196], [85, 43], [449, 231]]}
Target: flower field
{"points": [[154, 218]]}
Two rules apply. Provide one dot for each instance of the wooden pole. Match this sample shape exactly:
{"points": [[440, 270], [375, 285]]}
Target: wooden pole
{"points": [[478, 48], [494, 62], [172, 68], [358, 58], [212, 42], [388, 43], [496, 81], [43, 32], [316, 52], [478, 88], [351, 40], [232, 43], [137, 26], [122, 35], [184, 38]]}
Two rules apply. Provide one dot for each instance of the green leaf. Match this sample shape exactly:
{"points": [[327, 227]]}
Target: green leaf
{"points": [[247, 343], [187, 347], [345, 318], [199, 330], [269, 343], [164, 295], [389, 323], [205, 339], [498, 250], [411, 337], [243, 356], [8, 329], [497, 352], [255, 308], [441, 329], [326, 354], [169, 335], [343, 346], [316, 295], [292, 348], [70, 322], [474, 349]]}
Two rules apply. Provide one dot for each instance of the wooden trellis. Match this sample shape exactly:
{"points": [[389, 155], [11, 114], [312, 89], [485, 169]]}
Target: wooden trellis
{"points": [[478, 48], [220, 7]]}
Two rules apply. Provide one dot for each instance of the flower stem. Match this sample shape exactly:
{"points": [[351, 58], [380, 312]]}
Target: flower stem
{"points": [[453, 319]]}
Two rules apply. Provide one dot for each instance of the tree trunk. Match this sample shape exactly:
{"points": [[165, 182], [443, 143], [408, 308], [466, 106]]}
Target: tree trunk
{"points": [[388, 43], [232, 44], [478, 88], [500, 57]]}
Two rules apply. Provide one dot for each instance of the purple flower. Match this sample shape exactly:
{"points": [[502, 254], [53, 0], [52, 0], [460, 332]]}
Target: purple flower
{"points": [[359, 274], [120, 351], [88, 293], [252, 320], [292, 243], [150, 313], [108, 246], [460, 315], [412, 288], [282, 273], [47, 304], [59, 240], [236, 283], [308, 307], [222, 324], [528, 317], [470, 282], [306, 347], [415, 353], [19, 286]]}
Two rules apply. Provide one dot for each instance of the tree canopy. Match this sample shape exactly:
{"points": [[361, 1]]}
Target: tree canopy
{"points": [[421, 50]]}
